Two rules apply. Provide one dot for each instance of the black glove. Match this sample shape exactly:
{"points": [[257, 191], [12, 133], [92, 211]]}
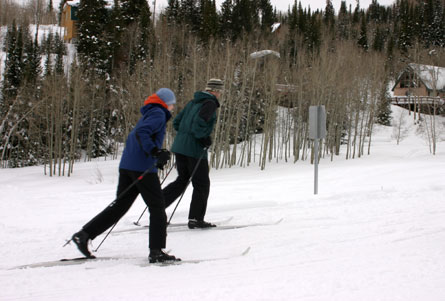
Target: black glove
{"points": [[162, 155], [206, 141]]}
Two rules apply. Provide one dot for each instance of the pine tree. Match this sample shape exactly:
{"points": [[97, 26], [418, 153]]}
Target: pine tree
{"points": [[173, 12], [293, 17], [267, 14], [48, 50], [436, 24], [13, 64], [379, 40], [114, 31], [313, 34], [93, 47], [384, 106], [209, 17], [191, 16], [303, 18], [363, 38], [329, 15], [405, 31], [60, 51], [31, 62], [244, 17], [225, 20], [343, 22]]}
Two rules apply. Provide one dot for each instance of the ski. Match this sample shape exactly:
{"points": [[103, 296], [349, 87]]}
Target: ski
{"points": [[131, 260], [195, 261], [171, 226], [64, 262], [230, 227]]}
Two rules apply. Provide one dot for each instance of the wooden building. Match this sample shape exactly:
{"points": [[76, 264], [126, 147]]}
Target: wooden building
{"points": [[420, 85], [69, 19]]}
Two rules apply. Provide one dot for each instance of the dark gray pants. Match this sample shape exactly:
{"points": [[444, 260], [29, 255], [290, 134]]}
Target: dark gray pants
{"points": [[150, 189], [200, 181]]}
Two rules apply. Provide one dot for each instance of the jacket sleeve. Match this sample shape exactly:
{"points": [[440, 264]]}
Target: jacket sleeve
{"points": [[202, 126], [208, 108], [177, 120], [148, 128]]}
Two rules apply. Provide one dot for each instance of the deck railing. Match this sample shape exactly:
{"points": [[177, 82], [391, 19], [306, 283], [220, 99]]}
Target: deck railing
{"points": [[418, 100]]}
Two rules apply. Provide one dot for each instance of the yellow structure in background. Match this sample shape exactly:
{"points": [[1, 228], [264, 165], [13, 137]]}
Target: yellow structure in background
{"points": [[69, 19]]}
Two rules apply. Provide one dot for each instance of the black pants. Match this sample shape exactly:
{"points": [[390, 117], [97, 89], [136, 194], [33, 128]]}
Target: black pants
{"points": [[150, 189], [200, 181]]}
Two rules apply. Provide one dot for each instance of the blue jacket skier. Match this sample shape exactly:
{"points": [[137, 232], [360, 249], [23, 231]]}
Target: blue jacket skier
{"points": [[143, 152]]}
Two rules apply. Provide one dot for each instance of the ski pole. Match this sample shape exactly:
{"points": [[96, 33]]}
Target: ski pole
{"points": [[190, 179], [121, 195], [145, 209]]}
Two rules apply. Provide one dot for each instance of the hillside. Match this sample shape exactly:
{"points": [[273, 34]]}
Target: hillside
{"points": [[375, 231]]}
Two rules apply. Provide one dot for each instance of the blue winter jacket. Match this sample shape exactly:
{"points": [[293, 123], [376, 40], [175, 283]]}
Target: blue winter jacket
{"points": [[148, 133]]}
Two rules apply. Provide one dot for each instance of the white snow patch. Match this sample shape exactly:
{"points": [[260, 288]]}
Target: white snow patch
{"points": [[375, 231]]}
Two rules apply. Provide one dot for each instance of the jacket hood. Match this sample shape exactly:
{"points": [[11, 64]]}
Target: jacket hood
{"points": [[202, 95]]}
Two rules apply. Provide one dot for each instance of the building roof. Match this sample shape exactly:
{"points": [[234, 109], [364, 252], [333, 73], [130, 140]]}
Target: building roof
{"points": [[109, 3], [433, 77]]}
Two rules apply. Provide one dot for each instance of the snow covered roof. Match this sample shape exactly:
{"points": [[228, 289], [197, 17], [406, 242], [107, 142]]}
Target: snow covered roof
{"points": [[262, 53], [275, 26], [72, 2], [433, 77], [108, 3]]}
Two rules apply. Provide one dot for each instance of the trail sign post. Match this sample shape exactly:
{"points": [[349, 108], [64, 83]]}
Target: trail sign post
{"points": [[317, 130]]}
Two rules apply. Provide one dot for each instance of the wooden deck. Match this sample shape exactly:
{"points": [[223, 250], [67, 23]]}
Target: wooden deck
{"points": [[417, 100]]}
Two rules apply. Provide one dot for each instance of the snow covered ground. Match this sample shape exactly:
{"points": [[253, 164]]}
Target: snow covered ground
{"points": [[375, 231], [44, 31]]}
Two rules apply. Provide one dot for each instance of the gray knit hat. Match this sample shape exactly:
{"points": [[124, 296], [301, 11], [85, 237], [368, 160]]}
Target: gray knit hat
{"points": [[166, 95], [215, 84]]}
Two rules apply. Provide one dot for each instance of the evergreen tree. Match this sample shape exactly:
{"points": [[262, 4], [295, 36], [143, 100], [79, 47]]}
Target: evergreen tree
{"points": [[343, 22], [13, 64], [60, 51], [191, 16], [114, 32], [405, 30], [244, 18], [303, 18], [379, 40], [48, 50], [225, 20], [357, 13], [209, 20], [31, 62], [384, 106], [93, 47], [435, 25], [132, 10], [293, 17], [267, 14], [363, 38], [173, 12], [313, 34], [329, 15]]}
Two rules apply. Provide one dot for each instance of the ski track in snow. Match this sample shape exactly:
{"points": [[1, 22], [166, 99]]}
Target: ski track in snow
{"points": [[375, 231]]}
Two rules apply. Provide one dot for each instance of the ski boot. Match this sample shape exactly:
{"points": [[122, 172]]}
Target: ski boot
{"points": [[193, 224], [157, 255], [81, 239]]}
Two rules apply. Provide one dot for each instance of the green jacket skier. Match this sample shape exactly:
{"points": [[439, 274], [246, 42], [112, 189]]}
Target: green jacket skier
{"points": [[194, 126]]}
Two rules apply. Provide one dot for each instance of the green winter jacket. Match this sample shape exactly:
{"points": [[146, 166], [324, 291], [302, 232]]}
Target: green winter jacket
{"points": [[190, 126]]}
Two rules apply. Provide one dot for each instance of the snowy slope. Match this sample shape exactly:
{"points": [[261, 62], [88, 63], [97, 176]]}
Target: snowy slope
{"points": [[375, 231], [44, 31]]}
